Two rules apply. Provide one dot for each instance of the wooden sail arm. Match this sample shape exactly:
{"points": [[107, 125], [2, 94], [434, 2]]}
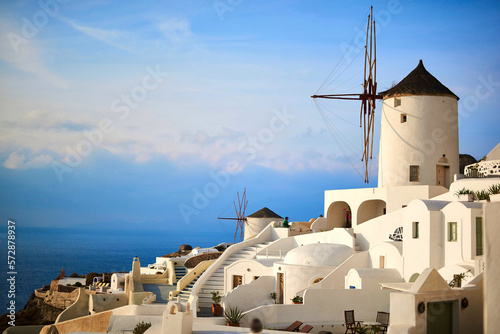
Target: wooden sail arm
{"points": [[349, 96]]}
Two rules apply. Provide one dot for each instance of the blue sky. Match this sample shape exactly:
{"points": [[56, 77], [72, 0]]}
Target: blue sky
{"points": [[123, 113]]}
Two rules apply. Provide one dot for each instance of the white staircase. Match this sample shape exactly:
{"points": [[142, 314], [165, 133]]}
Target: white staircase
{"points": [[216, 281]]}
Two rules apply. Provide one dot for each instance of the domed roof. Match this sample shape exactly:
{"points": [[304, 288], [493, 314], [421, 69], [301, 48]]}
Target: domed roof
{"points": [[419, 82], [319, 255]]}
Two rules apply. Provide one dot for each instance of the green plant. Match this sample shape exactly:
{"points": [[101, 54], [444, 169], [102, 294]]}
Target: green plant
{"points": [[141, 327], [482, 195], [368, 329], [362, 330], [494, 189], [274, 296], [216, 297], [297, 299], [233, 315], [457, 279], [220, 248], [463, 191]]}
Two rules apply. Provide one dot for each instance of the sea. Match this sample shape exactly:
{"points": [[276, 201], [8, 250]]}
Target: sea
{"points": [[41, 253]]}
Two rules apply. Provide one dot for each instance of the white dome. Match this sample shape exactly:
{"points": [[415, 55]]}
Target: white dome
{"points": [[318, 255]]}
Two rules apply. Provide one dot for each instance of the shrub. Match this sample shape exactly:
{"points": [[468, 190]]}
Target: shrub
{"points": [[482, 195], [494, 189], [220, 248], [141, 327], [233, 315]]}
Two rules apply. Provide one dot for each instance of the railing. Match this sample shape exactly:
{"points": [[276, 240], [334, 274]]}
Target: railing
{"points": [[482, 169], [190, 276], [273, 253]]}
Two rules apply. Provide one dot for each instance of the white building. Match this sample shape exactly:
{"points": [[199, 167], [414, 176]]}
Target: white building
{"points": [[397, 248]]}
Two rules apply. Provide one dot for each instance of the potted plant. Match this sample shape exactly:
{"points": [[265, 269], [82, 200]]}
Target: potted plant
{"points": [[216, 306], [465, 195], [494, 193], [297, 300], [456, 282], [274, 296], [233, 317]]}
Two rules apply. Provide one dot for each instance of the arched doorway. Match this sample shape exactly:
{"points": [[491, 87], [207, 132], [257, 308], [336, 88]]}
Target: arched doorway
{"points": [[443, 172], [338, 215], [370, 209]]}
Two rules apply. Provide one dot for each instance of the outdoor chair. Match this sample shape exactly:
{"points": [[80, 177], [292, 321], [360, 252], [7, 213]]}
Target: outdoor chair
{"points": [[306, 329], [383, 319], [350, 323], [293, 327]]}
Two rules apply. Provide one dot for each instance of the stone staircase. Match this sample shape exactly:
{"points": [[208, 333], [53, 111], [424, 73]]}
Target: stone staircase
{"points": [[186, 292], [216, 281], [180, 271]]}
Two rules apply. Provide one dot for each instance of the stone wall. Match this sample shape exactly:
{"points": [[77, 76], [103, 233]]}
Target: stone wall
{"points": [[97, 323]]}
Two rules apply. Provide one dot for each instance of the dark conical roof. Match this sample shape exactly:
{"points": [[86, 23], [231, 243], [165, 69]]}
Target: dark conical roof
{"points": [[419, 82], [264, 213]]}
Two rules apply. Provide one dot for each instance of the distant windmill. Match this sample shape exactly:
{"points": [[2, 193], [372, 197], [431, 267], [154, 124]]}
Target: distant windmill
{"points": [[369, 95], [240, 215]]}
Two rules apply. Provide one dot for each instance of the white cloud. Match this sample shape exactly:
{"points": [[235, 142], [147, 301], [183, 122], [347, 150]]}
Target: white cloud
{"points": [[116, 38], [25, 54], [176, 30], [19, 161]]}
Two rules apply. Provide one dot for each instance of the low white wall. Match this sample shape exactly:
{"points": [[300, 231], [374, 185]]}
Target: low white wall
{"points": [[248, 269], [322, 305], [254, 294], [105, 302], [150, 309], [336, 279]]}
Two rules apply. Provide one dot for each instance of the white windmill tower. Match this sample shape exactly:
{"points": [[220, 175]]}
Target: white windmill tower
{"points": [[419, 132]]}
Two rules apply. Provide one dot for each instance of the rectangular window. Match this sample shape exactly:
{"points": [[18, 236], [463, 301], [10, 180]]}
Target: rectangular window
{"points": [[415, 230], [237, 280], [397, 102], [404, 118], [414, 173], [479, 236], [452, 231]]}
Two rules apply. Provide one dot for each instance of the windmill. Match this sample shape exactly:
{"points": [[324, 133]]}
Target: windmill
{"points": [[240, 215], [369, 95]]}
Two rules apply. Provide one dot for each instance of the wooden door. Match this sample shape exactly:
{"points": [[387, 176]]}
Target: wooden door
{"points": [[440, 318], [440, 176], [281, 288]]}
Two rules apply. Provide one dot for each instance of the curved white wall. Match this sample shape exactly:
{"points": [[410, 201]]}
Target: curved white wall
{"points": [[430, 130]]}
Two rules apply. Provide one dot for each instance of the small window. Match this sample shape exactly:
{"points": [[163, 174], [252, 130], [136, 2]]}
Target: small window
{"points": [[416, 233], [403, 118], [256, 278], [397, 102], [414, 173], [452, 231], [479, 236]]}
